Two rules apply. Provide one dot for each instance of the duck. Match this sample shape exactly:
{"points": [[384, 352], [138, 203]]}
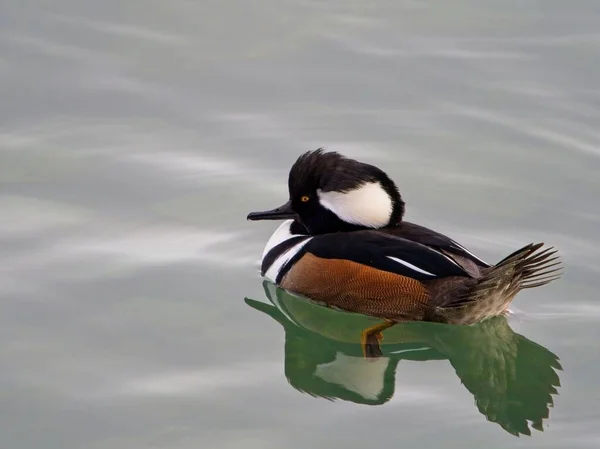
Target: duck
{"points": [[344, 244]]}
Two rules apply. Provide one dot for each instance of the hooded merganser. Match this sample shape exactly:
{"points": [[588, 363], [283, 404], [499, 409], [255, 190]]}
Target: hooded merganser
{"points": [[344, 244]]}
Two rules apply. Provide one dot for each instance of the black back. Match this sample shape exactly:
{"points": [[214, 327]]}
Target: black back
{"points": [[375, 249]]}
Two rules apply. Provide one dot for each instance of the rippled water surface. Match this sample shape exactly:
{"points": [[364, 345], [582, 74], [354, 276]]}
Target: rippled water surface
{"points": [[134, 138]]}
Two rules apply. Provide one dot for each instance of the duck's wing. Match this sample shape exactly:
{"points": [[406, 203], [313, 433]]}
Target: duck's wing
{"points": [[429, 237], [369, 272], [383, 252]]}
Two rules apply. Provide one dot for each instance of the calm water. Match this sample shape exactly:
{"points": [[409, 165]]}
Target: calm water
{"points": [[134, 138]]}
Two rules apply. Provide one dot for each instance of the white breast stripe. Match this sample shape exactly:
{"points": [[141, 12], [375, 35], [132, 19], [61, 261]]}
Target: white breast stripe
{"points": [[275, 268], [410, 265], [280, 235]]}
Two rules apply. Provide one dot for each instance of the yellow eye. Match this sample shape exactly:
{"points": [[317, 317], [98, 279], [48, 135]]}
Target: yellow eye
{"points": [[304, 199]]}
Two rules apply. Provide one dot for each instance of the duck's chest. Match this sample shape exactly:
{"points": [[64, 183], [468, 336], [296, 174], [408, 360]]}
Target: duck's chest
{"points": [[281, 251]]}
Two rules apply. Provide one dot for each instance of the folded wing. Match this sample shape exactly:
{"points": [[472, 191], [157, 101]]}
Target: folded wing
{"points": [[387, 253]]}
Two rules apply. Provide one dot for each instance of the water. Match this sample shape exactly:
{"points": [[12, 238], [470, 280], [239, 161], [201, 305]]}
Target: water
{"points": [[134, 138]]}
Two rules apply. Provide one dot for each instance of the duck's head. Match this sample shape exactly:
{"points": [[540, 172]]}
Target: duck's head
{"points": [[332, 193]]}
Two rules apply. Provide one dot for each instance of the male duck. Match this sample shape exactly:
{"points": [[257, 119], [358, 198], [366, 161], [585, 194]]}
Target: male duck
{"points": [[345, 245]]}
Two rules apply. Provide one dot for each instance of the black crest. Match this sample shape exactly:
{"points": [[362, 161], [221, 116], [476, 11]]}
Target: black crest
{"points": [[330, 171]]}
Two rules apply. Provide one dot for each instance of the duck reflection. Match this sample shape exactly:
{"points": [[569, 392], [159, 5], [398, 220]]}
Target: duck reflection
{"points": [[511, 378]]}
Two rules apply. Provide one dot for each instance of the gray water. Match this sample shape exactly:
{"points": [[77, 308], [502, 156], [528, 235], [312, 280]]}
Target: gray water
{"points": [[135, 137]]}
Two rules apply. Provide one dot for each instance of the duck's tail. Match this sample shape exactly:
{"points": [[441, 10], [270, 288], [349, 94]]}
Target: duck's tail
{"points": [[492, 294]]}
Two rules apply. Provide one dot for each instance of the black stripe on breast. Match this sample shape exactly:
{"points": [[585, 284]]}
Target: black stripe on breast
{"points": [[277, 251], [290, 263]]}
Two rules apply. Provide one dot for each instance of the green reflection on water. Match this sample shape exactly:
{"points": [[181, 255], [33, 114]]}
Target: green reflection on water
{"points": [[511, 378]]}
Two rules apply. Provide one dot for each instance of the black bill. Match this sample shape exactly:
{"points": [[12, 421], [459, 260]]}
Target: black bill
{"points": [[281, 213]]}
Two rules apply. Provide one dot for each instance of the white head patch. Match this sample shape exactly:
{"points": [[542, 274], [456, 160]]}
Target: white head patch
{"points": [[368, 205]]}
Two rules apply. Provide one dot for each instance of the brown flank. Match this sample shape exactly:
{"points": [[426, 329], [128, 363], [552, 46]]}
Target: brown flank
{"points": [[358, 288]]}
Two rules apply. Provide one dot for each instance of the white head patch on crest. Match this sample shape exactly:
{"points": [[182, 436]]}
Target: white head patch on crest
{"points": [[368, 205]]}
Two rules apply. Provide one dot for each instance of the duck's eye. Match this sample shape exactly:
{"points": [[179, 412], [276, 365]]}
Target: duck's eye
{"points": [[304, 198]]}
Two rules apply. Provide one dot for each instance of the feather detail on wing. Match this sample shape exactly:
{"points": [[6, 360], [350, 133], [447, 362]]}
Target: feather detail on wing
{"points": [[388, 253], [431, 238]]}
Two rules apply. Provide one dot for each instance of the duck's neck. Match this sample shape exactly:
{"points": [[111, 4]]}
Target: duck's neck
{"points": [[285, 242]]}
